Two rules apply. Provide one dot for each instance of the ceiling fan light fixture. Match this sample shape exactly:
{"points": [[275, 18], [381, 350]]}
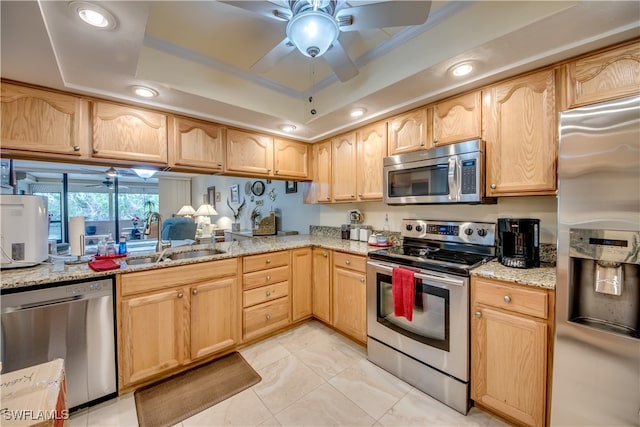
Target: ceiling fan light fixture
{"points": [[145, 92], [287, 128], [144, 173], [313, 32], [357, 112], [112, 172], [462, 69], [94, 15]]}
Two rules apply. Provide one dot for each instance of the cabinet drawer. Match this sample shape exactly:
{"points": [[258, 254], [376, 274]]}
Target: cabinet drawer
{"points": [[350, 261], [531, 302], [268, 260], [144, 281], [264, 294], [265, 277], [263, 318]]}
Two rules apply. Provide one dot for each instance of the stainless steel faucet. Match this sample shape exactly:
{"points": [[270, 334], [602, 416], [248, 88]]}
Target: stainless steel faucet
{"points": [[160, 246]]}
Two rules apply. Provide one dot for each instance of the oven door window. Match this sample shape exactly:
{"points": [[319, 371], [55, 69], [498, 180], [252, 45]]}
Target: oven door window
{"points": [[430, 322], [422, 181]]}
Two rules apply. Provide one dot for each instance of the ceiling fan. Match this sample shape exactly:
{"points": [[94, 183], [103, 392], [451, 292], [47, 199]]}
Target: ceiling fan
{"points": [[107, 182], [314, 27]]}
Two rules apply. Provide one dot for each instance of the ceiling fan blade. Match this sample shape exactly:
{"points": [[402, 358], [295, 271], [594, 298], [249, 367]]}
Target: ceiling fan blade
{"points": [[276, 10], [384, 15], [340, 62], [275, 55]]}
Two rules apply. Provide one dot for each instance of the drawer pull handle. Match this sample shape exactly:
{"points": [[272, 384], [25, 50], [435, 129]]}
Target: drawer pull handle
{"points": [[268, 261], [180, 294], [478, 314], [268, 316], [268, 293], [347, 262], [195, 292], [507, 298]]}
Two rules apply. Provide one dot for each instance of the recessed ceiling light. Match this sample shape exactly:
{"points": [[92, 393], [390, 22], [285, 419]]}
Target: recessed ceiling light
{"points": [[145, 92], [94, 15], [287, 128], [462, 69], [357, 112]]}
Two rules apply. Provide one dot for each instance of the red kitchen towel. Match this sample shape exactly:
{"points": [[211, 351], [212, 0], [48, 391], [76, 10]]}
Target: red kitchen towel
{"points": [[103, 265], [403, 289]]}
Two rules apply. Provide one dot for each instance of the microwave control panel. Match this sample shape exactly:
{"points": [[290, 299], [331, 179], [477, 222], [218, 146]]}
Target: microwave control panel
{"points": [[469, 182]]}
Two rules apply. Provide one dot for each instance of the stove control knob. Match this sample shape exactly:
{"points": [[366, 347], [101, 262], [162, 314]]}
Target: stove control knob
{"points": [[468, 231], [418, 228], [409, 227], [482, 232]]}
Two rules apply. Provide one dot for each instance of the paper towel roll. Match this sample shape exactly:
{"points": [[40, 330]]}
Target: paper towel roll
{"points": [[76, 233]]}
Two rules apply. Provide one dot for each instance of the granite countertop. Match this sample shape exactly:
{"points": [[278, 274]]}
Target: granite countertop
{"points": [[541, 277], [58, 271]]}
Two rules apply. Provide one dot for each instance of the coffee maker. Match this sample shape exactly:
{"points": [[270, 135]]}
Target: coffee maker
{"points": [[519, 242]]}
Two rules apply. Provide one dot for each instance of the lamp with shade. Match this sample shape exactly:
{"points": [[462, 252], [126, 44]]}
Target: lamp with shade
{"points": [[203, 218], [186, 210]]}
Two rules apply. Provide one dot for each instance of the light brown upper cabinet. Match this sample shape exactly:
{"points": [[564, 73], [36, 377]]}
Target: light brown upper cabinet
{"points": [[343, 167], [457, 119], [608, 75], [291, 159], [409, 132], [254, 154], [372, 148], [127, 133], [321, 161], [43, 122], [195, 145], [519, 127]]}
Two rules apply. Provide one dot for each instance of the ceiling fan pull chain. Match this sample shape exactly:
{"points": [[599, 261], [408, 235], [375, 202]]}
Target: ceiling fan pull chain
{"points": [[313, 110]]}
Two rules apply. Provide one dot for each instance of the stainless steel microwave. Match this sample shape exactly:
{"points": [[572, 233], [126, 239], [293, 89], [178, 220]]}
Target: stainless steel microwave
{"points": [[447, 174]]}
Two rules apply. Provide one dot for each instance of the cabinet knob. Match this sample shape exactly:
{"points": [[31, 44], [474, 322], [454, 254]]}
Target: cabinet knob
{"points": [[328, 198], [277, 170], [268, 293], [362, 280], [268, 317], [347, 262], [268, 278], [324, 254], [493, 186], [359, 194], [76, 148], [353, 196], [435, 140], [478, 314], [220, 164], [95, 151], [422, 144], [180, 294], [268, 261], [507, 298], [194, 292]]}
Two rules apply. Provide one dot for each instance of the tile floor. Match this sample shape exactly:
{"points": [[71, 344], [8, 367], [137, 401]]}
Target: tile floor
{"points": [[311, 376]]}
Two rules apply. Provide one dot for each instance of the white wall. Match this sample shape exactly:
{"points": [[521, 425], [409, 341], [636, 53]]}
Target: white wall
{"points": [[298, 216]]}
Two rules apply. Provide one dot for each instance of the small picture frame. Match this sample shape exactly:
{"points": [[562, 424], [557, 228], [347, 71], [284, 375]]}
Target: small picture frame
{"points": [[234, 192], [291, 186], [211, 196]]}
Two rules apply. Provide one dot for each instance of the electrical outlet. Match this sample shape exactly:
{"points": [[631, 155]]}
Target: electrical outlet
{"points": [[259, 202]]}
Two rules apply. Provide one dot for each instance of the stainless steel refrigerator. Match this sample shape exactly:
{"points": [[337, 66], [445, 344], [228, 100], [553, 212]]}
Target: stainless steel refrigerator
{"points": [[596, 363]]}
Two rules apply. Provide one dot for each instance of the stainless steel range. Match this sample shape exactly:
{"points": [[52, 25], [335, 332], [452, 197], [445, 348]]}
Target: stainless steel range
{"points": [[430, 351]]}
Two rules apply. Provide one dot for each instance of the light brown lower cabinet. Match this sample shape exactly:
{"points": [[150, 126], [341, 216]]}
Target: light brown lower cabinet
{"points": [[175, 316], [301, 289], [511, 332], [322, 284], [350, 295]]}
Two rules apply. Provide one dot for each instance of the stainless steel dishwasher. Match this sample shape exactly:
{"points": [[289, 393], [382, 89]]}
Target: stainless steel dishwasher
{"points": [[73, 321]]}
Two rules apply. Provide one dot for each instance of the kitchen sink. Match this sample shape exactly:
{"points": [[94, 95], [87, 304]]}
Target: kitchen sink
{"points": [[193, 254], [142, 260]]}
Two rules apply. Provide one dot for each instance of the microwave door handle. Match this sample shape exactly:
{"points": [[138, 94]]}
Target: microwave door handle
{"points": [[454, 178]]}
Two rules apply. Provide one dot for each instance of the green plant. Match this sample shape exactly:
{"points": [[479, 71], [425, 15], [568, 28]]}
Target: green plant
{"points": [[255, 215], [149, 206]]}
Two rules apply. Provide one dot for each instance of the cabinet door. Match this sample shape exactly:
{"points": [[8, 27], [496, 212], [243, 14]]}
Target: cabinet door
{"points": [[343, 162], [321, 156], [509, 364], [408, 132], [520, 133], [195, 145], [45, 122], [153, 336], [301, 290], [372, 148], [249, 152], [322, 284], [291, 158], [608, 75], [215, 316], [457, 119], [127, 133], [349, 303]]}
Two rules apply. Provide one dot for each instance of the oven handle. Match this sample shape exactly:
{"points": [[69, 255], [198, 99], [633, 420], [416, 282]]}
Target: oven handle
{"points": [[423, 276]]}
